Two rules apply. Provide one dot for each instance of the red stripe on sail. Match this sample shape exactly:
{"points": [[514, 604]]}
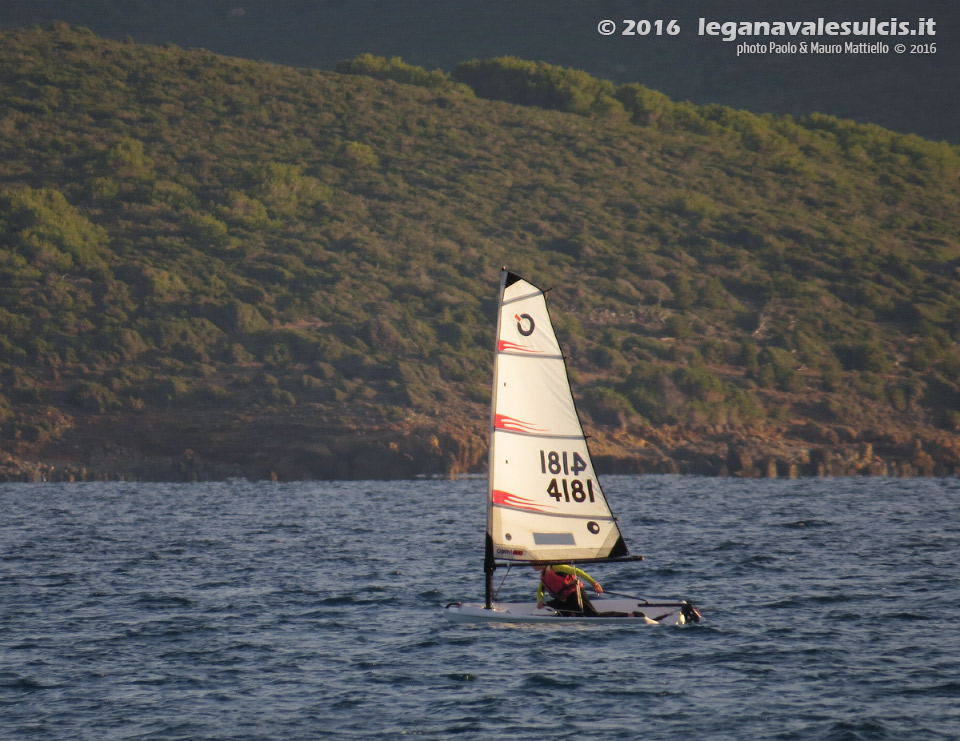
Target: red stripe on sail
{"points": [[503, 422], [512, 500], [514, 347]]}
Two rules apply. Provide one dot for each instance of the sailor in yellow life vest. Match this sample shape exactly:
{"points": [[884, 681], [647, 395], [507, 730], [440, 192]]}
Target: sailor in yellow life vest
{"points": [[563, 583]]}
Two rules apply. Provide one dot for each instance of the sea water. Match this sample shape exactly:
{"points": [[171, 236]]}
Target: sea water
{"points": [[246, 610]]}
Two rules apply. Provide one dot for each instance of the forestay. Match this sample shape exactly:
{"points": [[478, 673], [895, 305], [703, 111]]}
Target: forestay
{"points": [[545, 502]]}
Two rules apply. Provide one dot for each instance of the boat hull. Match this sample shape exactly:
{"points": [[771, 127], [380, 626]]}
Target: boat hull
{"points": [[648, 612]]}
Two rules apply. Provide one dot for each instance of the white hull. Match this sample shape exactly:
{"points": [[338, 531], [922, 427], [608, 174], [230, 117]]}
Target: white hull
{"points": [[653, 612]]}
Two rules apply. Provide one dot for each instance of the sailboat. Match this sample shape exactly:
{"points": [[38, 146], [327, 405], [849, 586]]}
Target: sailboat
{"points": [[545, 505]]}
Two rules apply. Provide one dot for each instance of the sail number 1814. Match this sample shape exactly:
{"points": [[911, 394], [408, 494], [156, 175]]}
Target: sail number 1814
{"points": [[568, 464]]}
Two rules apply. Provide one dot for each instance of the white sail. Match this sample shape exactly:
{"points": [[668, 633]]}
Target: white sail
{"points": [[545, 502]]}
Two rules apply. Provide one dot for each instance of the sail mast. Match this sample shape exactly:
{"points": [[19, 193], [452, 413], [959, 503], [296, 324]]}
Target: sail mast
{"points": [[489, 562]]}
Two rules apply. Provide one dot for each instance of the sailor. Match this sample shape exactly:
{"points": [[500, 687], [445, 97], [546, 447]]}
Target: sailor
{"points": [[563, 583]]}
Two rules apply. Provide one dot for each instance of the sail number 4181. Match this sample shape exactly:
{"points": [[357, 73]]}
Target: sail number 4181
{"points": [[564, 490], [567, 464]]}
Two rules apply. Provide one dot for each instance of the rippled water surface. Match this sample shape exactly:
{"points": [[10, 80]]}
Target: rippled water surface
{"points": [[297, 611]]}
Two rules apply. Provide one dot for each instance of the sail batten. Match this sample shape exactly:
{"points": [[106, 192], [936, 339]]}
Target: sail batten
{"points": [[522, 298], [545, 502], [532, 357], [555, 514], [545, 437]]}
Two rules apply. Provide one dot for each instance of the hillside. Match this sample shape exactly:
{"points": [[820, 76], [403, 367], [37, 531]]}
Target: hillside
{"points": [[904, 92], [212, 267]]}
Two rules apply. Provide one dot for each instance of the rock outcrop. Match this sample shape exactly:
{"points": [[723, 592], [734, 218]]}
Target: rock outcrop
{"points": [[283, 448]]}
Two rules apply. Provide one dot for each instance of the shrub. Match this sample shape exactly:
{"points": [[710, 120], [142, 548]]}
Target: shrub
{"points": [[864, 355], [126, 159], [281, 397], [284, 190], [397, 70], [606, 406], [539, 84], [778, 368], [206, 226], [93, 397], [357, 155], [645, 106], [700, 383], [43, 227], [831, 374], [679, 326]]}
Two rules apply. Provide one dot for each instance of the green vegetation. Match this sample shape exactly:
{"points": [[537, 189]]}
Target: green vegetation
{"points": [[539, 84], [186, 232], [399, 71]]}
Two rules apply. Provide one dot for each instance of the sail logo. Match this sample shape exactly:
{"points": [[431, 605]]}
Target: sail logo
{"points": [[514, 347], [503, 422], [526, 331], [507, 499]]}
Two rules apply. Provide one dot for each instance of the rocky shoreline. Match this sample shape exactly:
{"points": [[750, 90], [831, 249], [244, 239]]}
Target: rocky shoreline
{"points": [[451, 452], [791, 451], [745, 461]]}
